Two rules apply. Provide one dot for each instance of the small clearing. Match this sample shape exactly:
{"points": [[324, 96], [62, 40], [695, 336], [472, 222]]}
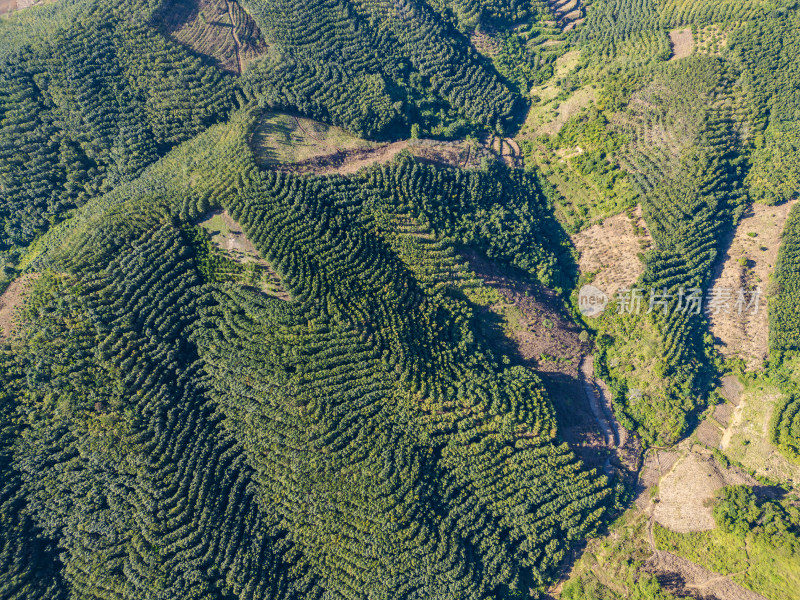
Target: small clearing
{"points": [[9, 6], [298, 145], [565, 64], [227, 235], [219, 29], [742, 330], [712, 39], [13, 297], [282, 139], [567, 12], [686, 492], [682, 43], [610, 251], [685, 578], [485, 43]]}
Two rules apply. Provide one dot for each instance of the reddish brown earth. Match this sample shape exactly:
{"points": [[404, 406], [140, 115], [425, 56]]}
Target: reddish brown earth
{"points": [[545, 338], [13, 297]]}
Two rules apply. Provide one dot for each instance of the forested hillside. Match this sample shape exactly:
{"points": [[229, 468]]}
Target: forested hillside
{"points": [[361, 438], [291, 298]]}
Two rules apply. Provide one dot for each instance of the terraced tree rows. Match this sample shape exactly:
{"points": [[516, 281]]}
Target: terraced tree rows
{"points": [[158, 495], [86, 106], [361, 439], [93, 92], [339, 61], [686, 155]]}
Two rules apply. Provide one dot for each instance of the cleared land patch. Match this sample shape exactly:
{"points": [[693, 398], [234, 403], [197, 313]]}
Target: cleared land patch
{"points": [[298, 145], [13, 297], [610, 251], [686, 493], [220, 29], [530, 324], [742, 331], [285, 139], [682, 42], [227, 235], [9, 6], [548, 119]]}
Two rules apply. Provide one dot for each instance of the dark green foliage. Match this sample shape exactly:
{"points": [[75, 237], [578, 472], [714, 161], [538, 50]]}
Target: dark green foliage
{"points": [[87, 104], [93, 93], [366, 66], [785, 426], [360, 441], [784, 303], [769, 52]]}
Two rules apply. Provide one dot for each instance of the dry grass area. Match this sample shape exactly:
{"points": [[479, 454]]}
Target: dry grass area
{"points": [[281, 139], [13, 297], [227, 235], [9, 6], [686, 493], [220, 29], [742, 331], [747, 438], [682, 42], [610, 250]]}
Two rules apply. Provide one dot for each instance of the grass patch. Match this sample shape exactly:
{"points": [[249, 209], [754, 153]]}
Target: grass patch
{"points": [[771, 571]]}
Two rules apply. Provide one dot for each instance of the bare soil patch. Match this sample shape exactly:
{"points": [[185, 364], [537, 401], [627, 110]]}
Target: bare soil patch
{"points": [[227, 235], [682, 43], [219, 29], [731, 389], [7, 6], [723, 413], [709, 434], [611, 249], [686, 493], [741, 328], [13, 297]]}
